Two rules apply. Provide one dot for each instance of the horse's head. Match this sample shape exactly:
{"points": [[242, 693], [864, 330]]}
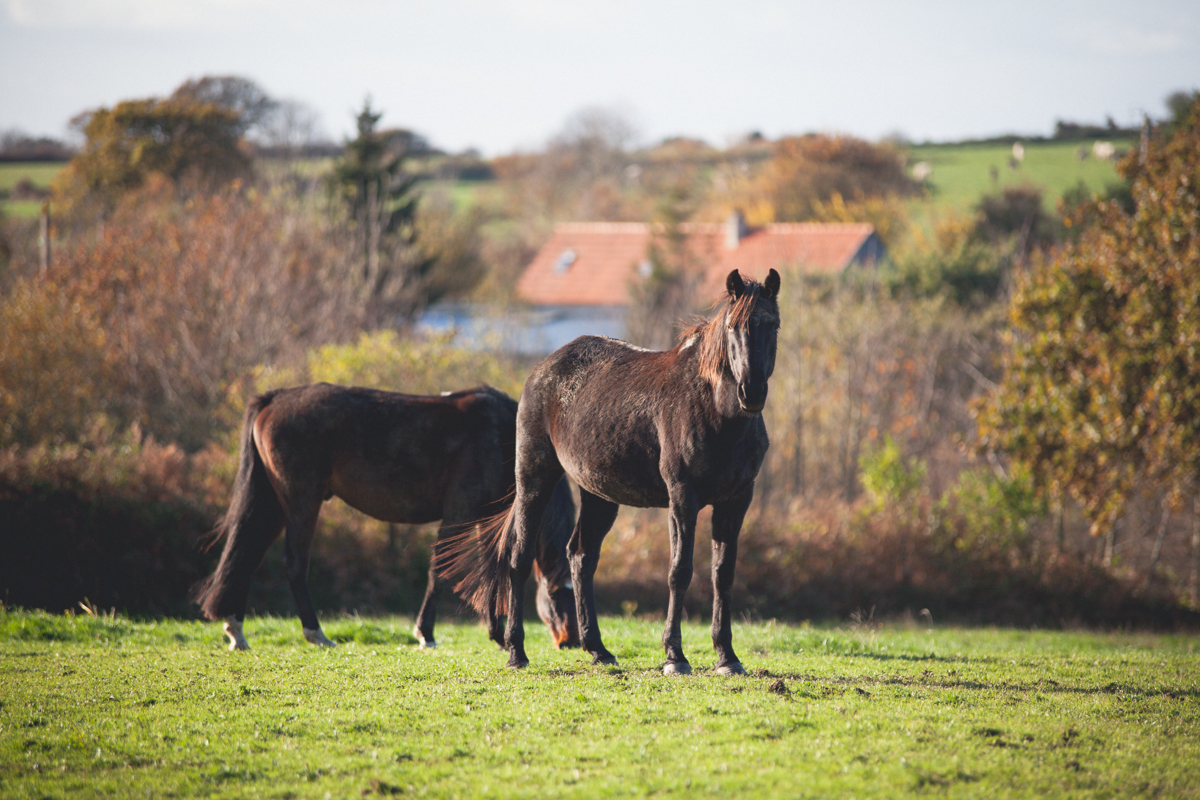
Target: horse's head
{"points": [[555, 594], [751, 329], [556, 607]]}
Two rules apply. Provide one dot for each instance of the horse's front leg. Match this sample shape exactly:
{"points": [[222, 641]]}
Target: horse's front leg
{"points": [[236, 633], [596, 516], [683, 510], [495, 624], [726, 527], [427, 616]]}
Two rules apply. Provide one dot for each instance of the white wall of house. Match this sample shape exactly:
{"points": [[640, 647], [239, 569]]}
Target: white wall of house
{"points": [[529, 331]]}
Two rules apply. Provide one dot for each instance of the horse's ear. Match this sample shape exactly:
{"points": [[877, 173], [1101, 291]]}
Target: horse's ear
{"points": [[771, 285], [734, 285]]}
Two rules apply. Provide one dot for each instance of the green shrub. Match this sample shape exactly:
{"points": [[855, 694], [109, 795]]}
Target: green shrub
{"points": [[993, 512], [385, 360], [889, 479]]}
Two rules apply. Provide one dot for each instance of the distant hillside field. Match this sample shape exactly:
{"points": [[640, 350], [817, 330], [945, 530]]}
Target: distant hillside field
{"points": [[963, 173], [40, 173]]}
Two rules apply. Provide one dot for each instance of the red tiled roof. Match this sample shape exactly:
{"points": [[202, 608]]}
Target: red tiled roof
{"points": [[607, 255]]}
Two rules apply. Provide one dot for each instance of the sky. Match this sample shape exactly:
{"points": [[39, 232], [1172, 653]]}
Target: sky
{"points": [[505, 75]]}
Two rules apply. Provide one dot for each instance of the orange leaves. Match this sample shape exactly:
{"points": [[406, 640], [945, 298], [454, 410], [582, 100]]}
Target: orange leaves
{"points": [[52, 365]]}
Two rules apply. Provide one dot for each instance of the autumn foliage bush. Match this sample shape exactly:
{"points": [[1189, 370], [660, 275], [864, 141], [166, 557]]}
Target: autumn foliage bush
{"points": [[805, 171], [116, 523], [152, 316], [1099, 395]]}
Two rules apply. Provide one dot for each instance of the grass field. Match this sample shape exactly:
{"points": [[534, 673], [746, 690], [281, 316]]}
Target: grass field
{"points": [[106, 707], [39, 173], [963, 173]]}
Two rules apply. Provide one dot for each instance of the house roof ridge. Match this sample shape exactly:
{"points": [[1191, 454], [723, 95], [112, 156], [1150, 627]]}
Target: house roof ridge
{"points": [[819, 227], [601, 227], [715, 227]]}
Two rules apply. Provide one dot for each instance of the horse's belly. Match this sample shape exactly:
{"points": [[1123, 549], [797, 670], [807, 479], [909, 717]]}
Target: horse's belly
{"points": [[625, 484], [411, 506]]}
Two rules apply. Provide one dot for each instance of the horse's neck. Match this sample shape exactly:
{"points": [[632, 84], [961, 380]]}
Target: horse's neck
{"points": [[724, 398], [720, 397]]}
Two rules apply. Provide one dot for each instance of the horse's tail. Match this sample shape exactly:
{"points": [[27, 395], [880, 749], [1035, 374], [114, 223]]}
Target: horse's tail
{"points": [[479, 558], [253, 521]]}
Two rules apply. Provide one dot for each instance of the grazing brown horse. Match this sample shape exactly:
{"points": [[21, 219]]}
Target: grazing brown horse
{"points": [[679, 429], [396, 457]]}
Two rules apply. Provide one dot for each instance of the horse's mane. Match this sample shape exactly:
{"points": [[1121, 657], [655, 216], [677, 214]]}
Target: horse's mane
{"points": [[709, 334]]}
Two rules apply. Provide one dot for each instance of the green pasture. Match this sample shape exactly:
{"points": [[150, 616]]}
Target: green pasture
{"points": [[108, 707], [38, 172], [486, 196], [963, 173]]}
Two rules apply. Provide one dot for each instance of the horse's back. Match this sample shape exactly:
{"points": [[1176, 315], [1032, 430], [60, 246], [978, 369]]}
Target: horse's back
{"points": [[393, 456]]}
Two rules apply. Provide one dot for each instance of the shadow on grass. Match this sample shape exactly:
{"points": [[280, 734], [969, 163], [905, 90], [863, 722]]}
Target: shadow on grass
{"points": [[1043, 686]]}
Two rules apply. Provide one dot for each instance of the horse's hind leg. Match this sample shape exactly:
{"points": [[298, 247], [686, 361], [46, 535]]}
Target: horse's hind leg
{"points": [[300, 529], [596, 516], [726, 527]]}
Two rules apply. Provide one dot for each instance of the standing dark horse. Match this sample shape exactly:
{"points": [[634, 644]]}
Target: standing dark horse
{"points": [[679, 429], [396, 457]]}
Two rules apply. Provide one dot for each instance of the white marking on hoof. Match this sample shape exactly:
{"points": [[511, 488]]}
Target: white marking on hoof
{"points": [[318, 638], [677, 668], [233, 629], [421, 640], [730, 669]]}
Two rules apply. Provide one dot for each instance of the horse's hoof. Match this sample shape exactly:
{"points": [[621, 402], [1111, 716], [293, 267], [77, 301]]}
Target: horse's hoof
{"points": [[422, 642], [318, 638], [732, 668], [514, 663], [604, 658], [237, 641], [677, 668]]}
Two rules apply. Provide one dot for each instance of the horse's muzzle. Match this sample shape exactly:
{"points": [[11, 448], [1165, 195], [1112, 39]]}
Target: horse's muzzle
{"points": [[752, 398], [556, 607]]}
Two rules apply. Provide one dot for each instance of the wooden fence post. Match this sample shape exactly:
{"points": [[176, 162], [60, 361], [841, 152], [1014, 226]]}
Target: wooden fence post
{"points": [[1194, 572], [44, 237]]}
